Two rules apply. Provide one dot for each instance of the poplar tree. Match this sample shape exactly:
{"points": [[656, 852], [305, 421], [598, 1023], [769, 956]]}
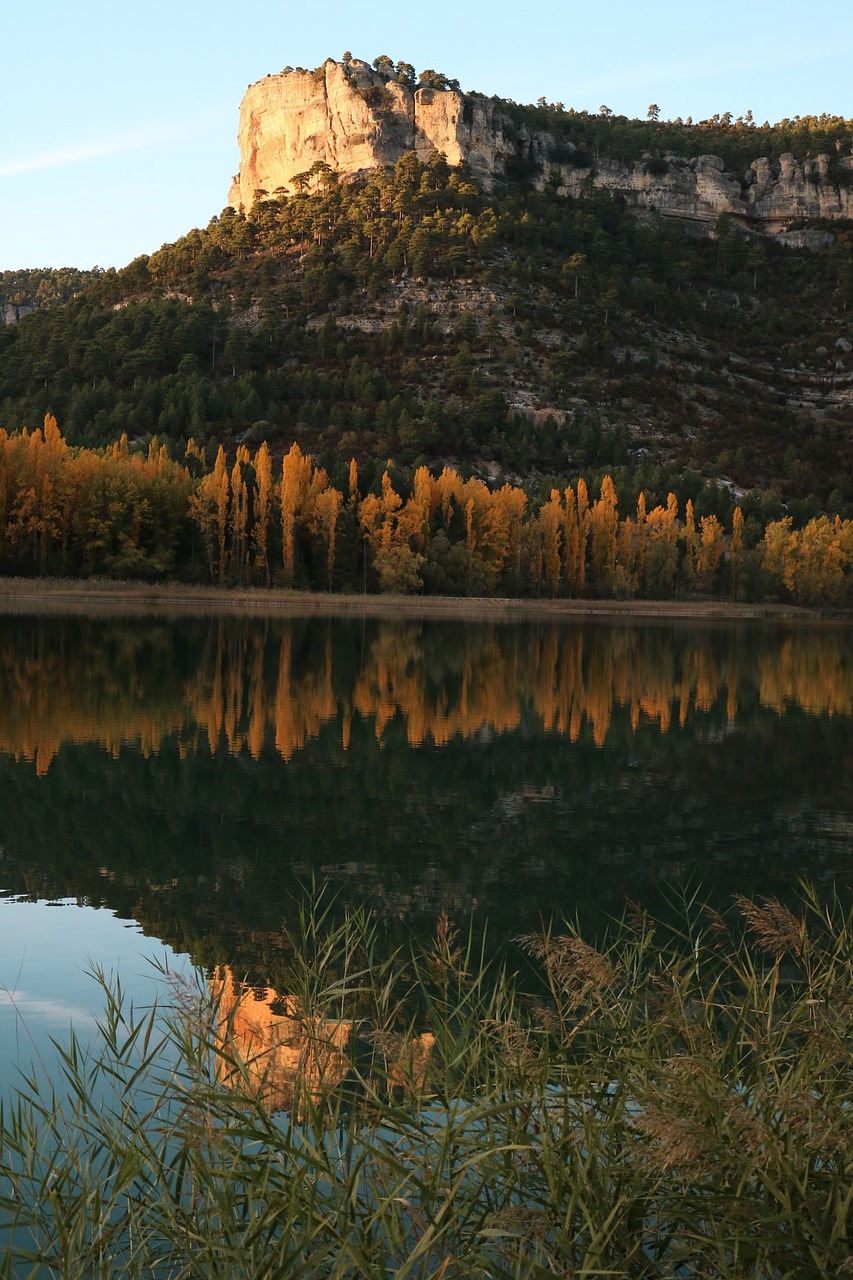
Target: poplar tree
{"points": [[642, 533], [551, 520], [239, 515], [327, 508], [571, 540], [604, 525], [710, 552], [662, 548], [263, 511], [736, 549], [689, 539], [297, 480], [221, 489], [584, 519]]}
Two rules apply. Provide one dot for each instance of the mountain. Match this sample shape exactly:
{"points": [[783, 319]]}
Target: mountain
{"points": [[409, 272], [354, 117]]}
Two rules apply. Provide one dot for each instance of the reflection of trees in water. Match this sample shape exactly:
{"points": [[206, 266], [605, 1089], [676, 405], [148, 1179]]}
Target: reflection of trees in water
{"points": [[73, 680], [248, 683], [552, 788]]}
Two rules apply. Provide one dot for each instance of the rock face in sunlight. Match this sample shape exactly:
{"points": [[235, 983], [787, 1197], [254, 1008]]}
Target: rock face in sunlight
{"points": [[351, 118]]}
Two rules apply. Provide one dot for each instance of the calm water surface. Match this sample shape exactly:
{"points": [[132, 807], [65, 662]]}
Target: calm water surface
{"points": [[170, 785]]}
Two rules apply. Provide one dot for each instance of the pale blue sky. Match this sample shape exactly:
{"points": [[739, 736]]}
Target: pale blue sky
{"points": [[47, 952], [117, 131]]}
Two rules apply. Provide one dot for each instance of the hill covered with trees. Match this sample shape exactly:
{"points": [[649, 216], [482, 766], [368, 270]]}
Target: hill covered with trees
{"points": [[518, 337]]}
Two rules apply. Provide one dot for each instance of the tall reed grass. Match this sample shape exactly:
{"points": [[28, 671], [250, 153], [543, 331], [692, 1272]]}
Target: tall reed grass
{"points": [[675, 1102]]}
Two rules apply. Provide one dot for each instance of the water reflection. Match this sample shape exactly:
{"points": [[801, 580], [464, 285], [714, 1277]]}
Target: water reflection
{"points": [[249, 684], [272, 1049], [191, 775]]}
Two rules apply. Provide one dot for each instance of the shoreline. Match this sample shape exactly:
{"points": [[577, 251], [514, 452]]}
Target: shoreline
{"points": [[60, 595]]}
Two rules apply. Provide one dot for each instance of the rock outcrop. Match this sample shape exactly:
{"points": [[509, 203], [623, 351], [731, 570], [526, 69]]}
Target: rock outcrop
{"points": [[769, 198], [349, 117]]}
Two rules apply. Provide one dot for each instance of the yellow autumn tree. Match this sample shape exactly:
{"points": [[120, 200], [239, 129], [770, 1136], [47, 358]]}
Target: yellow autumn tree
{"points": [[661, 564], [712, 545], [263, 512], [603, 528], [551, 524], [416, 517], [354, 495], [642, 534], [736, 549], [398, 567], [449, 488], [688, 537], [779, 550], [324, 523], [300, 484], [627, 540], [208, 507], [239, 515], [502, 533], [823, 561], [576, 536]]}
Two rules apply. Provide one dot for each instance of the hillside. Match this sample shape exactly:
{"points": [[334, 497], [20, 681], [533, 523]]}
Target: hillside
{"points": [[511, 328]]}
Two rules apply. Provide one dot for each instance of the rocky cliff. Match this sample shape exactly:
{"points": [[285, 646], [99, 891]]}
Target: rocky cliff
{"points": [[353, 119], [769, 197]]}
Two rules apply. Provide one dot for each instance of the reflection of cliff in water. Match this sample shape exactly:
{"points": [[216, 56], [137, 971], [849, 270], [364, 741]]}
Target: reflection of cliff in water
{"points": [[275, 752], [249, 684], [270, 1048]]}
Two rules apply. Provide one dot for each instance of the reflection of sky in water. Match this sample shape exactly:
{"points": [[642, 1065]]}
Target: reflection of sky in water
{"points": [[47, 954]]}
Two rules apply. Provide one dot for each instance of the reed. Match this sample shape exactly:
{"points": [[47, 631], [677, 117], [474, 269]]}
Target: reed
{"points": [[676, 1102]]}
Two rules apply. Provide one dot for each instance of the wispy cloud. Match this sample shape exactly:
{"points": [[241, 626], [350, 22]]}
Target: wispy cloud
{"points": [[96, 149], [54, 1011]]}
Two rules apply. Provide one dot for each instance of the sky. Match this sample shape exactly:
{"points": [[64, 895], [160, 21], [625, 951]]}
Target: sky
{"points": [[118, 127], [47, 954]]}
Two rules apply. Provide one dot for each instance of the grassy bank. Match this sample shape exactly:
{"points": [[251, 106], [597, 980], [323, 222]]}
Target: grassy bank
{"points": [[676, 1103], [42, 595]]}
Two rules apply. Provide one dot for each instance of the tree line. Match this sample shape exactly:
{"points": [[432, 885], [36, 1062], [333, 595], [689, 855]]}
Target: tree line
{"points": [[582, 137], [123, 512]]}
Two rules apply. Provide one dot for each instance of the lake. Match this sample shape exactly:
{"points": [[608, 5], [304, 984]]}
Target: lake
{"points": [[172, 786]]}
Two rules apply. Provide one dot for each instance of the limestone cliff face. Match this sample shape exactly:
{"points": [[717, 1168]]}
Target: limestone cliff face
{"points": [[350, 118], [769, 198]]}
